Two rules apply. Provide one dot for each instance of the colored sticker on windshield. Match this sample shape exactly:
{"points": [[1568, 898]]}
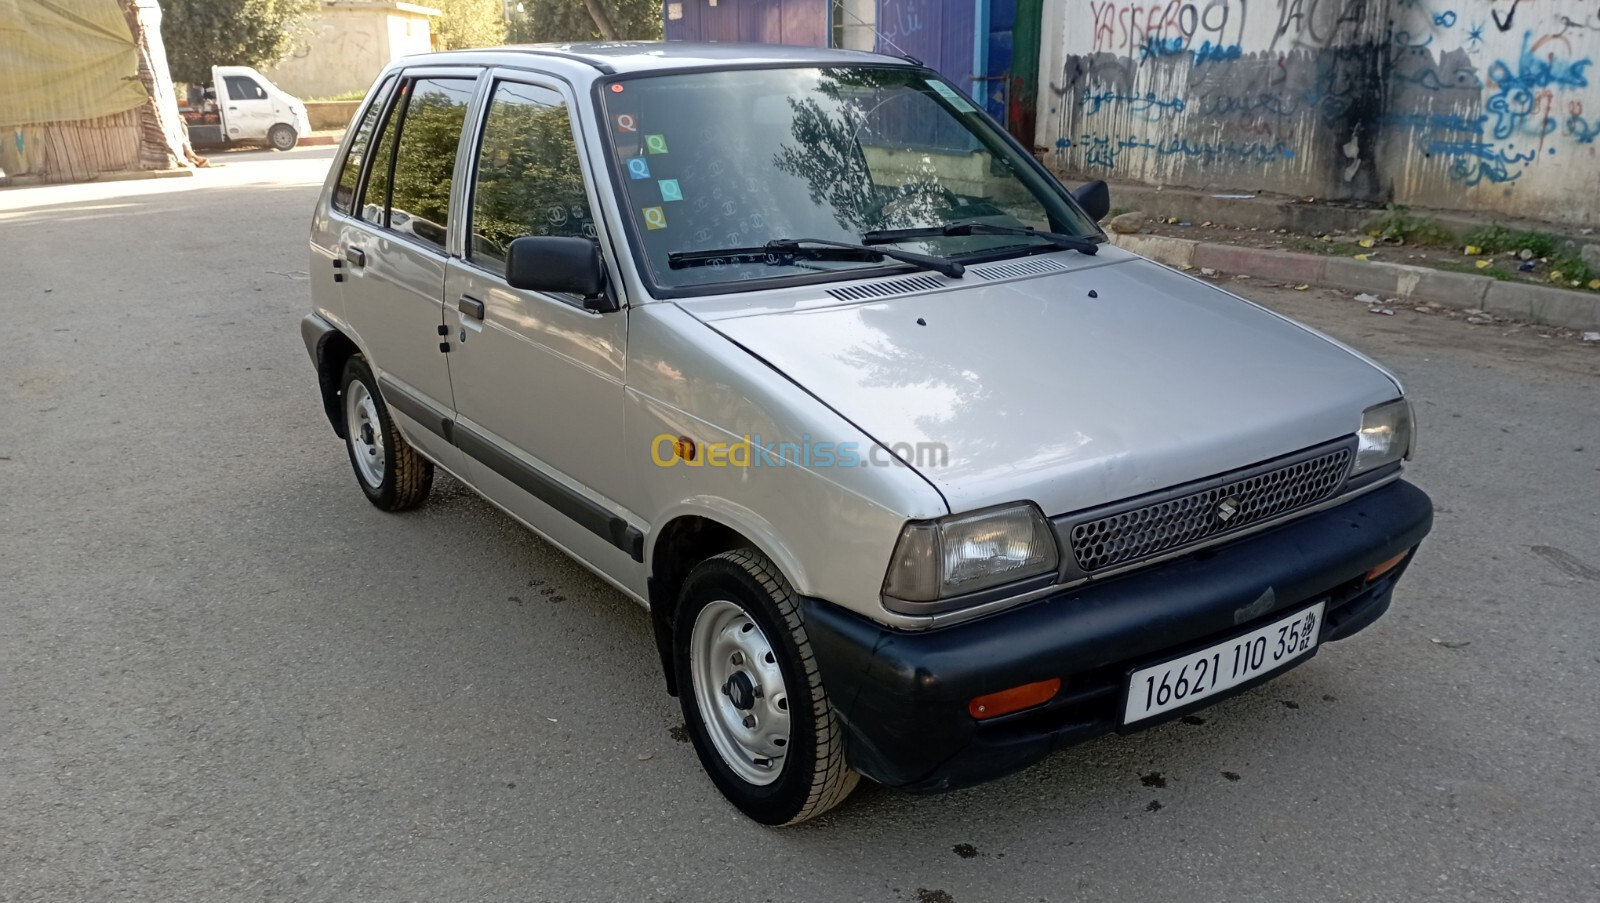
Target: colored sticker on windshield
{"points": [[638, 168], [654, 218], [626, 123], [949, 94], [655, 144], [670, 190]]}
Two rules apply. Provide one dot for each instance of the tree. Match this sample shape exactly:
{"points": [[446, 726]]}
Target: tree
{"points": [[538, 21], [463, 24], [200, 34]]}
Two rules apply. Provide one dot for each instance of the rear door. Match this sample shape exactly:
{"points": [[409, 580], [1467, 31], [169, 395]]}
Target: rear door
{"points": [[393, 241], [538, 378]]}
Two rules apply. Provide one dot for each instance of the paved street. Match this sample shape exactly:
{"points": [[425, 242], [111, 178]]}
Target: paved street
{"points": [[225, 676]]}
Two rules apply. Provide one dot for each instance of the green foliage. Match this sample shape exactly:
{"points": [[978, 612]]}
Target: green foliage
{"points": [[541, 21], [464, 24], [423, 168], [1398, 224], [1497, 239], [200, 34]]}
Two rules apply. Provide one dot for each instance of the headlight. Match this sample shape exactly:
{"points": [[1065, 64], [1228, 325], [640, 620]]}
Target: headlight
{"points": [[965, 553], [1385, 436]]}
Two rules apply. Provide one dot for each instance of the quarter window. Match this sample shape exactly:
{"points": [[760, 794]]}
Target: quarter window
{"points": [[528, 179], [350, 170], [413, 196]]}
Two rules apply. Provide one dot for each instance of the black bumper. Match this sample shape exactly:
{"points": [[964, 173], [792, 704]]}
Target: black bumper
{"points": [[903, 695]]}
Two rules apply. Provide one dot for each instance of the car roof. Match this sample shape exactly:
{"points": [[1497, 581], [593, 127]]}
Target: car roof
{"points": [[628, 57]]}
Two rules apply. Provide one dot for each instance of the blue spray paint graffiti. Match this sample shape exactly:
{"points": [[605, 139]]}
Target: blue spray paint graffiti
{"points": [[1481, 161], [1515, 99], [1103, 150], [1582, 130], [1152, 106], [1208, 52], [1158, 47]]}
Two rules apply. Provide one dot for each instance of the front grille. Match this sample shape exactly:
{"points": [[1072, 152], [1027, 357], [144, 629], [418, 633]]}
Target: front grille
{"points": [[1135, 530]]}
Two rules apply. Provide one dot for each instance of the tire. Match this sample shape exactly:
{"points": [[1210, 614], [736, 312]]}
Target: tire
{"points": [[391, 473], [735, 608], [282, 137]]}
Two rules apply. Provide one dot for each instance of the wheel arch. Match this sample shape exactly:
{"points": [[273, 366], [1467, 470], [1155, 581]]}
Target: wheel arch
{"points": [[689, 537], [330, 351]]}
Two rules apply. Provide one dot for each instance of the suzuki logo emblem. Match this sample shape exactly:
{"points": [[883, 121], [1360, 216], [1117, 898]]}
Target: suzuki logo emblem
{"points": [[1227, 508]]}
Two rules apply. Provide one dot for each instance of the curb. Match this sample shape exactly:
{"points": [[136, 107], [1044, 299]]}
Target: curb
{"points": [[131, 175], [1518, 300], [318, 140]]}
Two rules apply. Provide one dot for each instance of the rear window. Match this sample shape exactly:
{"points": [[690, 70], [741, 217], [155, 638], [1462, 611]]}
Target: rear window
{"points": [[413, 195], [344, 193]]}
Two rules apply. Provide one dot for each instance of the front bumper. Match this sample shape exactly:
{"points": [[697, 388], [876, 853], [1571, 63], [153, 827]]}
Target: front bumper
{"points": [[902, 696]]}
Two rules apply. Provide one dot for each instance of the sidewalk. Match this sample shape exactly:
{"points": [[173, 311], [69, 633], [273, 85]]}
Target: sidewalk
{"points": [[1387, 283], [1396, 256]]}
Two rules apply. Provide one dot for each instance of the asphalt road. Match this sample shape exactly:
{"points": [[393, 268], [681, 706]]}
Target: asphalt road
{"points": [[224, 676]]}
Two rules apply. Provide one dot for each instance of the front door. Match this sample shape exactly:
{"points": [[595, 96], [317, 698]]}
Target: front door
{"points": [[394, 256], [246, 108], [537, 378]]}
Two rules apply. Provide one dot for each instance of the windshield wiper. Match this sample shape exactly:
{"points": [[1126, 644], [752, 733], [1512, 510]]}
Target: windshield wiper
{"points": [[779, 248], [952, 230]]}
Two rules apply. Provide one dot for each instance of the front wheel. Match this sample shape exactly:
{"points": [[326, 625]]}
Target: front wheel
{"points": [[282, 137], [751, 694]]}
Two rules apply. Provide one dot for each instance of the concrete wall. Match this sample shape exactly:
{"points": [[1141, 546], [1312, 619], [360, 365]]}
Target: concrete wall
{"points": [[348, 42], [1467, 104]]}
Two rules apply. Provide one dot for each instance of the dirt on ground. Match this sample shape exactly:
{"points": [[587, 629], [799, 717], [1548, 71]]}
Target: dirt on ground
{"points": [[1510, 265]]}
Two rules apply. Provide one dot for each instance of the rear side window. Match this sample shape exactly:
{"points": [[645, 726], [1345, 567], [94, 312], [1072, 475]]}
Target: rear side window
{"points": [[413, 195], [344, 193], [243, 87], [528, 180]]}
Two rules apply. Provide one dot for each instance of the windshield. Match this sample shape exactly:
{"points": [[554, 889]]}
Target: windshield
{"points": [[735, 159]]}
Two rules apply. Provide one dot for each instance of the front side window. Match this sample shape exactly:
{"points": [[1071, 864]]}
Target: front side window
{"points": [[350, 169], [528, 180], [421, 136], [714, 160], [243, 87]]}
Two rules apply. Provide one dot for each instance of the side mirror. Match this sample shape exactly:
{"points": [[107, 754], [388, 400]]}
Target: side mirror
{"points": [[541, 263], [1095, 199]]}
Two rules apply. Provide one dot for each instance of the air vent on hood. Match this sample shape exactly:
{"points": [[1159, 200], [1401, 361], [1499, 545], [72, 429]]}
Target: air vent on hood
{"points": [[1011, 269], [886, 288]]}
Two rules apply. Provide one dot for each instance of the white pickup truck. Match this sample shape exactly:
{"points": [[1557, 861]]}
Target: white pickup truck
{"points": [[242, 107]]}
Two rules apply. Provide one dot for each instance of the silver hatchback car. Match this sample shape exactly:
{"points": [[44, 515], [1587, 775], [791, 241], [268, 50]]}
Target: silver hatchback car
{"points": [[918, 477]]}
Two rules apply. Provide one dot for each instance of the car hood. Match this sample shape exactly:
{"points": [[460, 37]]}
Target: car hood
{"points": [[1073, 389]]}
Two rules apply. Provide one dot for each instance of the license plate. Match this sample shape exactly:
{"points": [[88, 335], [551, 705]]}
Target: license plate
{"points": [[1187, 680]]}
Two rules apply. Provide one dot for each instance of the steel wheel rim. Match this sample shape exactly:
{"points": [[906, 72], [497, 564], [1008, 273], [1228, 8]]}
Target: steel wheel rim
{"points": [[281, 142], [365, 433], [733, 664]]}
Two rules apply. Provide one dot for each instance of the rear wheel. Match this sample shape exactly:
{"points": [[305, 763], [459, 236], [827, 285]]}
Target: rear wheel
{"points": [[391, 473], [282, 137], [751, 694]]}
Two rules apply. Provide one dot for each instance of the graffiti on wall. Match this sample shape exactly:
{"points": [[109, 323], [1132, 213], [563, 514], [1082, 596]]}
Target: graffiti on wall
{"points": [[1357, 98]]}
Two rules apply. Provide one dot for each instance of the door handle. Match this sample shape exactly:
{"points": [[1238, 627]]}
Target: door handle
{"points": [[356, 256], [470, 306]]}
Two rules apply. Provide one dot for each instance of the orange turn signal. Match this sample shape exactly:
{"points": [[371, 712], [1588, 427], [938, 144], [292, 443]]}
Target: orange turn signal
{"points": [[684, 448], [1387, 566], [1016, 699]]}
